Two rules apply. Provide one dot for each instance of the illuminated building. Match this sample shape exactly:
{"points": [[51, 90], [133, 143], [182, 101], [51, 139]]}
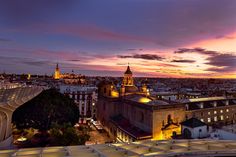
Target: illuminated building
{"points": [[211, 110], [128, 78], [132, 114], [28, 77], [72, 78], [57, 73], [69, 78]]}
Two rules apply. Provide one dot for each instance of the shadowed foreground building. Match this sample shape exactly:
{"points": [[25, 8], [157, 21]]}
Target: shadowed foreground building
{"points": [[10, 99]]}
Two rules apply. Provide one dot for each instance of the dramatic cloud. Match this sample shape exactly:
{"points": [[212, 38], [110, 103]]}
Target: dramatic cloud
{"points": [[222, 63], [143, 56], [183, 61], [196, 50], [74, 60], [102, 35]]}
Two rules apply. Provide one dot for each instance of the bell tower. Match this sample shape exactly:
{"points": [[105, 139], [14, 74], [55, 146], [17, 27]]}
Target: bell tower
{"points": [[57, 73], [128, 77]]}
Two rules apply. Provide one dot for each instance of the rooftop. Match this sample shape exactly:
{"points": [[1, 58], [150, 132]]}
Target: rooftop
{"points": [[193, 123], [169, 148], [130, 129], [203, 99]]}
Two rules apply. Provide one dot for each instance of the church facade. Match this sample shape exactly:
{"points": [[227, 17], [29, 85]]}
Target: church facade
{"points": [[57, 74], [130, 114]]}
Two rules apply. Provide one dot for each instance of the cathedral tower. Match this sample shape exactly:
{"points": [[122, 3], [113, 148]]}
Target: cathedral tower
{"points": [[57, 72], [128, 78]]}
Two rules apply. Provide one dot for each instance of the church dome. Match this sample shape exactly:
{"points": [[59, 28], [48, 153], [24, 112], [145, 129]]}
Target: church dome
{"points": [[131, 89]]}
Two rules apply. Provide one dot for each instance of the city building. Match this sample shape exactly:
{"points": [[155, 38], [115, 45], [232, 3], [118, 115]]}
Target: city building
{"points": [[194, 128], [85, 98], [57, 74], [211, 110], [69, 78], [131, 114]]}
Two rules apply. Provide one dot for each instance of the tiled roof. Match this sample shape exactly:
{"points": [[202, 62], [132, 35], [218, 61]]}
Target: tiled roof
{"points": [[193, 123]]}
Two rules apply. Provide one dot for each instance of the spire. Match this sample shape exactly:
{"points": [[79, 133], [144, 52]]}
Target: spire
{"points": [[128, 71], [57, 67], [57, 72]]}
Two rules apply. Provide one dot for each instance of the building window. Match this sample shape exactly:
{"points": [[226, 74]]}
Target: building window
{"points": [[215, 112], [227, 110], [209, 113], [215, 119], [208, 120], [202, 120], [221, 111], [221, 117]]}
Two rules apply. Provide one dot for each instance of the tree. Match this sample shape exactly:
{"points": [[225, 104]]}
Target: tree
{"points": [[48, 107], [66, 135]]}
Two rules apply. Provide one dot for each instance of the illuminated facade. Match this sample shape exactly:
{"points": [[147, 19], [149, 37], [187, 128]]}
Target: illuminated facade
{"points": [[132, 114], [128, 78], [57, 73]]}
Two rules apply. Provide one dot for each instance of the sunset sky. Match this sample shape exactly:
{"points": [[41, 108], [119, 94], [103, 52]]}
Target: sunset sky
{"points": [[159, 38]]}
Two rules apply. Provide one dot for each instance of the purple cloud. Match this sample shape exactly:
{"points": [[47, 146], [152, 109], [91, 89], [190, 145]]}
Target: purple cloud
{"points": [[142, 56], [183, 61]]}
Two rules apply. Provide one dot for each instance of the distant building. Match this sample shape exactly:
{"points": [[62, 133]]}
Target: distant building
{"points": [[211, 110], [69, 78], [57, 74]]}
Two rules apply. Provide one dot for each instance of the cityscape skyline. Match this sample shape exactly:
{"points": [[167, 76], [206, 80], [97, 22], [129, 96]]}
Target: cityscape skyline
{"points": [[158, 38]]}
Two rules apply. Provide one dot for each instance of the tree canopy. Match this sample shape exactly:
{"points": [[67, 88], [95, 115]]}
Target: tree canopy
{"points": [[47, 108]]}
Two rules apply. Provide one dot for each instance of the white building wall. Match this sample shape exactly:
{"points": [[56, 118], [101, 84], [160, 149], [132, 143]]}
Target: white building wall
{"points": [[82, 103], [223, 135], [195, 131]]}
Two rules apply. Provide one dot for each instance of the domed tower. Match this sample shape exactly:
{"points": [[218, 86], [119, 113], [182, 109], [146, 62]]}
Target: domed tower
{"points": [[128, 77], [57, 72]]}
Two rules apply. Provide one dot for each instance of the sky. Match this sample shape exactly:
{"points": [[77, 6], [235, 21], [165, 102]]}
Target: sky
{"points": [[158, 38]]}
